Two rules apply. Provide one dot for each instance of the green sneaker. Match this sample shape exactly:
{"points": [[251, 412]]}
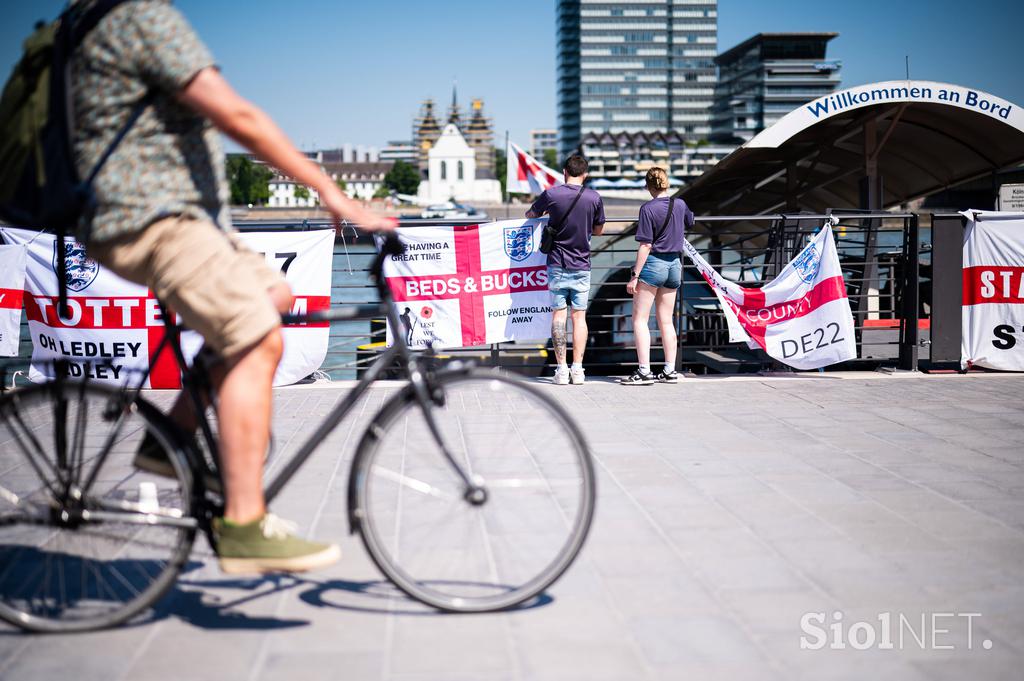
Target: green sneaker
{"points": [[268, 545]]}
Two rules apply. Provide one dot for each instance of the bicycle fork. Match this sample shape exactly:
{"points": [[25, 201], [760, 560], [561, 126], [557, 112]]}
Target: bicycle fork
{"points": [[475, 491]]}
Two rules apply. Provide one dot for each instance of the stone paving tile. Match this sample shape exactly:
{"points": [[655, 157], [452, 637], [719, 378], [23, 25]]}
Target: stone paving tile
{"points": [[728, 510]]}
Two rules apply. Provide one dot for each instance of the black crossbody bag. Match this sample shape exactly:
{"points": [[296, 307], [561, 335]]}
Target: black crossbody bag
{"points": [[547, 237]]}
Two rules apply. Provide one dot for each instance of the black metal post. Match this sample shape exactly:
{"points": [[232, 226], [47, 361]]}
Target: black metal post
{"points": [[911, 297], [947, 285]]}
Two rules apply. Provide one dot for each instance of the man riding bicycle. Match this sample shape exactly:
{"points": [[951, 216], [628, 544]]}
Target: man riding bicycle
{"points": [[162, 220]]}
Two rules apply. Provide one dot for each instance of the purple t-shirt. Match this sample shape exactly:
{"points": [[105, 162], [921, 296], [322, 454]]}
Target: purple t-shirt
{"points": [[572, 241], [652, 217]]}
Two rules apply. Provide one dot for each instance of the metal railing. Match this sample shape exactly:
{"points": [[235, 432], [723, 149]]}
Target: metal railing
{"points": [[879, 253]]}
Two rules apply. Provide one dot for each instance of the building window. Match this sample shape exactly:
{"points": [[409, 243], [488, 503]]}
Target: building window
{"points": [[460, 170], [444, 170]]}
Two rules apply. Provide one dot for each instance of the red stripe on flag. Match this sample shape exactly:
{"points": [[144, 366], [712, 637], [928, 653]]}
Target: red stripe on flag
{"points": [[522, 167], [993, 284], [467, 264], [164, 373], [90, 312], [756, 317], [753, 299], [307, 305], [11, 298], [823, 292]]}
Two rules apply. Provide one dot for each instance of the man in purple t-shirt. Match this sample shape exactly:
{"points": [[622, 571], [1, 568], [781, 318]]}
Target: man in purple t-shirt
{"points": [[576, 213]]}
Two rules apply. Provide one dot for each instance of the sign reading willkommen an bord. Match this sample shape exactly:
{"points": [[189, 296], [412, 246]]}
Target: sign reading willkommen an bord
{"points": [[993, 291], [470, 285], [115, 327]]}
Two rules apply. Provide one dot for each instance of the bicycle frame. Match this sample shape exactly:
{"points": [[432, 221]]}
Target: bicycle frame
{"points": [[195, 379]]}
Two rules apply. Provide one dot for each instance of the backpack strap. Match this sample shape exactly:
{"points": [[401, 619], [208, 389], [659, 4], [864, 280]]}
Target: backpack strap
{"points": [[75, 24]]}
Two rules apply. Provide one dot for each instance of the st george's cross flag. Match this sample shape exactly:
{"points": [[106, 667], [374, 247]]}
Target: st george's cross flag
{"points": [[469, 285], [802, 317], [12, 290], [115, 326], [527, 175], [993, 291]]}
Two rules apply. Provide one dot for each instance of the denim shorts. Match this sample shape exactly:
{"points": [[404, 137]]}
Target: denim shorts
{"points": [[568, 288], [662, 270]]}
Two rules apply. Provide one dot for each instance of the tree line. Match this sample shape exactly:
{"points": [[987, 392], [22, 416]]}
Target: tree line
{"points": [[250, 182]]}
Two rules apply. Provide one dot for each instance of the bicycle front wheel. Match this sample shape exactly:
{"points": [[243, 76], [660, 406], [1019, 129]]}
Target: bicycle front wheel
{"points": [[455, 553], [87, 539]]}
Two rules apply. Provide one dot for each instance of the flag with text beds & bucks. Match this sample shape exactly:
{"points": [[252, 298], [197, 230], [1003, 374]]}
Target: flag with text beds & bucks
{"points": [[469, 285], [802, 317]]}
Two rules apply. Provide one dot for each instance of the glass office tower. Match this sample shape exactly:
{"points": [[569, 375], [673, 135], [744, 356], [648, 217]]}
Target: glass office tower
{"points": [[635, 67]]}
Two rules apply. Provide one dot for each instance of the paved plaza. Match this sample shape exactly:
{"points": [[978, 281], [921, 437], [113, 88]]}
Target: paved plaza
{"points": [[730, 510]]}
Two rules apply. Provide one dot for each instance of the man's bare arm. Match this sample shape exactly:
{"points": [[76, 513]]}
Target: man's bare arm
{"points": [[212, 96], [599, 229]]}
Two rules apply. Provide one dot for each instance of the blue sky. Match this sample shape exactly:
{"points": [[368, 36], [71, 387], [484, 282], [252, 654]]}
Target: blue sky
{"points": [[331, 72]]}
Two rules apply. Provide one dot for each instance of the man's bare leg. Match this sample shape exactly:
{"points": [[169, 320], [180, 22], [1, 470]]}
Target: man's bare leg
{"points": [[245, 406], [244, 411], [558, 339], [579, 335]]}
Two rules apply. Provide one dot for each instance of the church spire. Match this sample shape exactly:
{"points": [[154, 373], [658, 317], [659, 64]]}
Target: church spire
{"points": [[454, 114]]}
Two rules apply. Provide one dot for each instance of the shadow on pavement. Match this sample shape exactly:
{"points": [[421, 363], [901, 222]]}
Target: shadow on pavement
{"points": [[202, 602]]}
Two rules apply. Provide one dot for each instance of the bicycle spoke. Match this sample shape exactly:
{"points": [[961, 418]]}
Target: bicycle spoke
{"points": [[78, 440], [412, 483], [105, 450], [486, 552], [29, 455], [121, 578], [77, 558]]}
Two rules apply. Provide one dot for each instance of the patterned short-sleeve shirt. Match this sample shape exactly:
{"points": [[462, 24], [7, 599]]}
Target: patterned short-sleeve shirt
{"points": [[171, 162]]}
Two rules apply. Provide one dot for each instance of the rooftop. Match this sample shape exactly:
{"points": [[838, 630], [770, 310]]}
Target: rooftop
{"points": [[763, 38]]}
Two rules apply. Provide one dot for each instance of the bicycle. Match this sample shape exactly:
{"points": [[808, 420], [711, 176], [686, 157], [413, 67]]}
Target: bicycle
{"points": [[471, 491]]}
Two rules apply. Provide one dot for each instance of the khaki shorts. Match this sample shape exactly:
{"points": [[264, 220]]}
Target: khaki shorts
{"points": [[217, 285]]}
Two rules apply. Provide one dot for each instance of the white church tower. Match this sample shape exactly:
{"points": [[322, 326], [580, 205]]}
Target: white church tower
{"points": [[451, 172]]}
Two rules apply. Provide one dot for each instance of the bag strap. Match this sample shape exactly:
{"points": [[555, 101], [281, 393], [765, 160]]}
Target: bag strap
{"points": [[664, 225], [568, 212]]}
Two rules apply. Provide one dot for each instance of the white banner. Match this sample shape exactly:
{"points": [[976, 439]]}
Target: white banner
{"points": [[471, 285], [993, 291], [115, 326], [801, 318], [12, 289]]}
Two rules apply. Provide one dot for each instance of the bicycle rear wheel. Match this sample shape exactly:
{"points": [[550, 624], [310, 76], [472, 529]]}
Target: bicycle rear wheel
{"points": [[86, 539], [434, 543]]}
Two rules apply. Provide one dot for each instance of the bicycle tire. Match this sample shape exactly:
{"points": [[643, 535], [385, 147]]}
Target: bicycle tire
{"points": [[501, 405], [118, 555]]}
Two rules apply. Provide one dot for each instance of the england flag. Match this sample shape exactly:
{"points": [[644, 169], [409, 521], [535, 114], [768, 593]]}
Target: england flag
{"points": [[12, 285], [527, 175], [801, 318]]}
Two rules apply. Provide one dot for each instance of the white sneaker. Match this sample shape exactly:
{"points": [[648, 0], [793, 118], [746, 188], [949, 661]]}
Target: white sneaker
{"points": [[562, 376], [577, 376]]}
